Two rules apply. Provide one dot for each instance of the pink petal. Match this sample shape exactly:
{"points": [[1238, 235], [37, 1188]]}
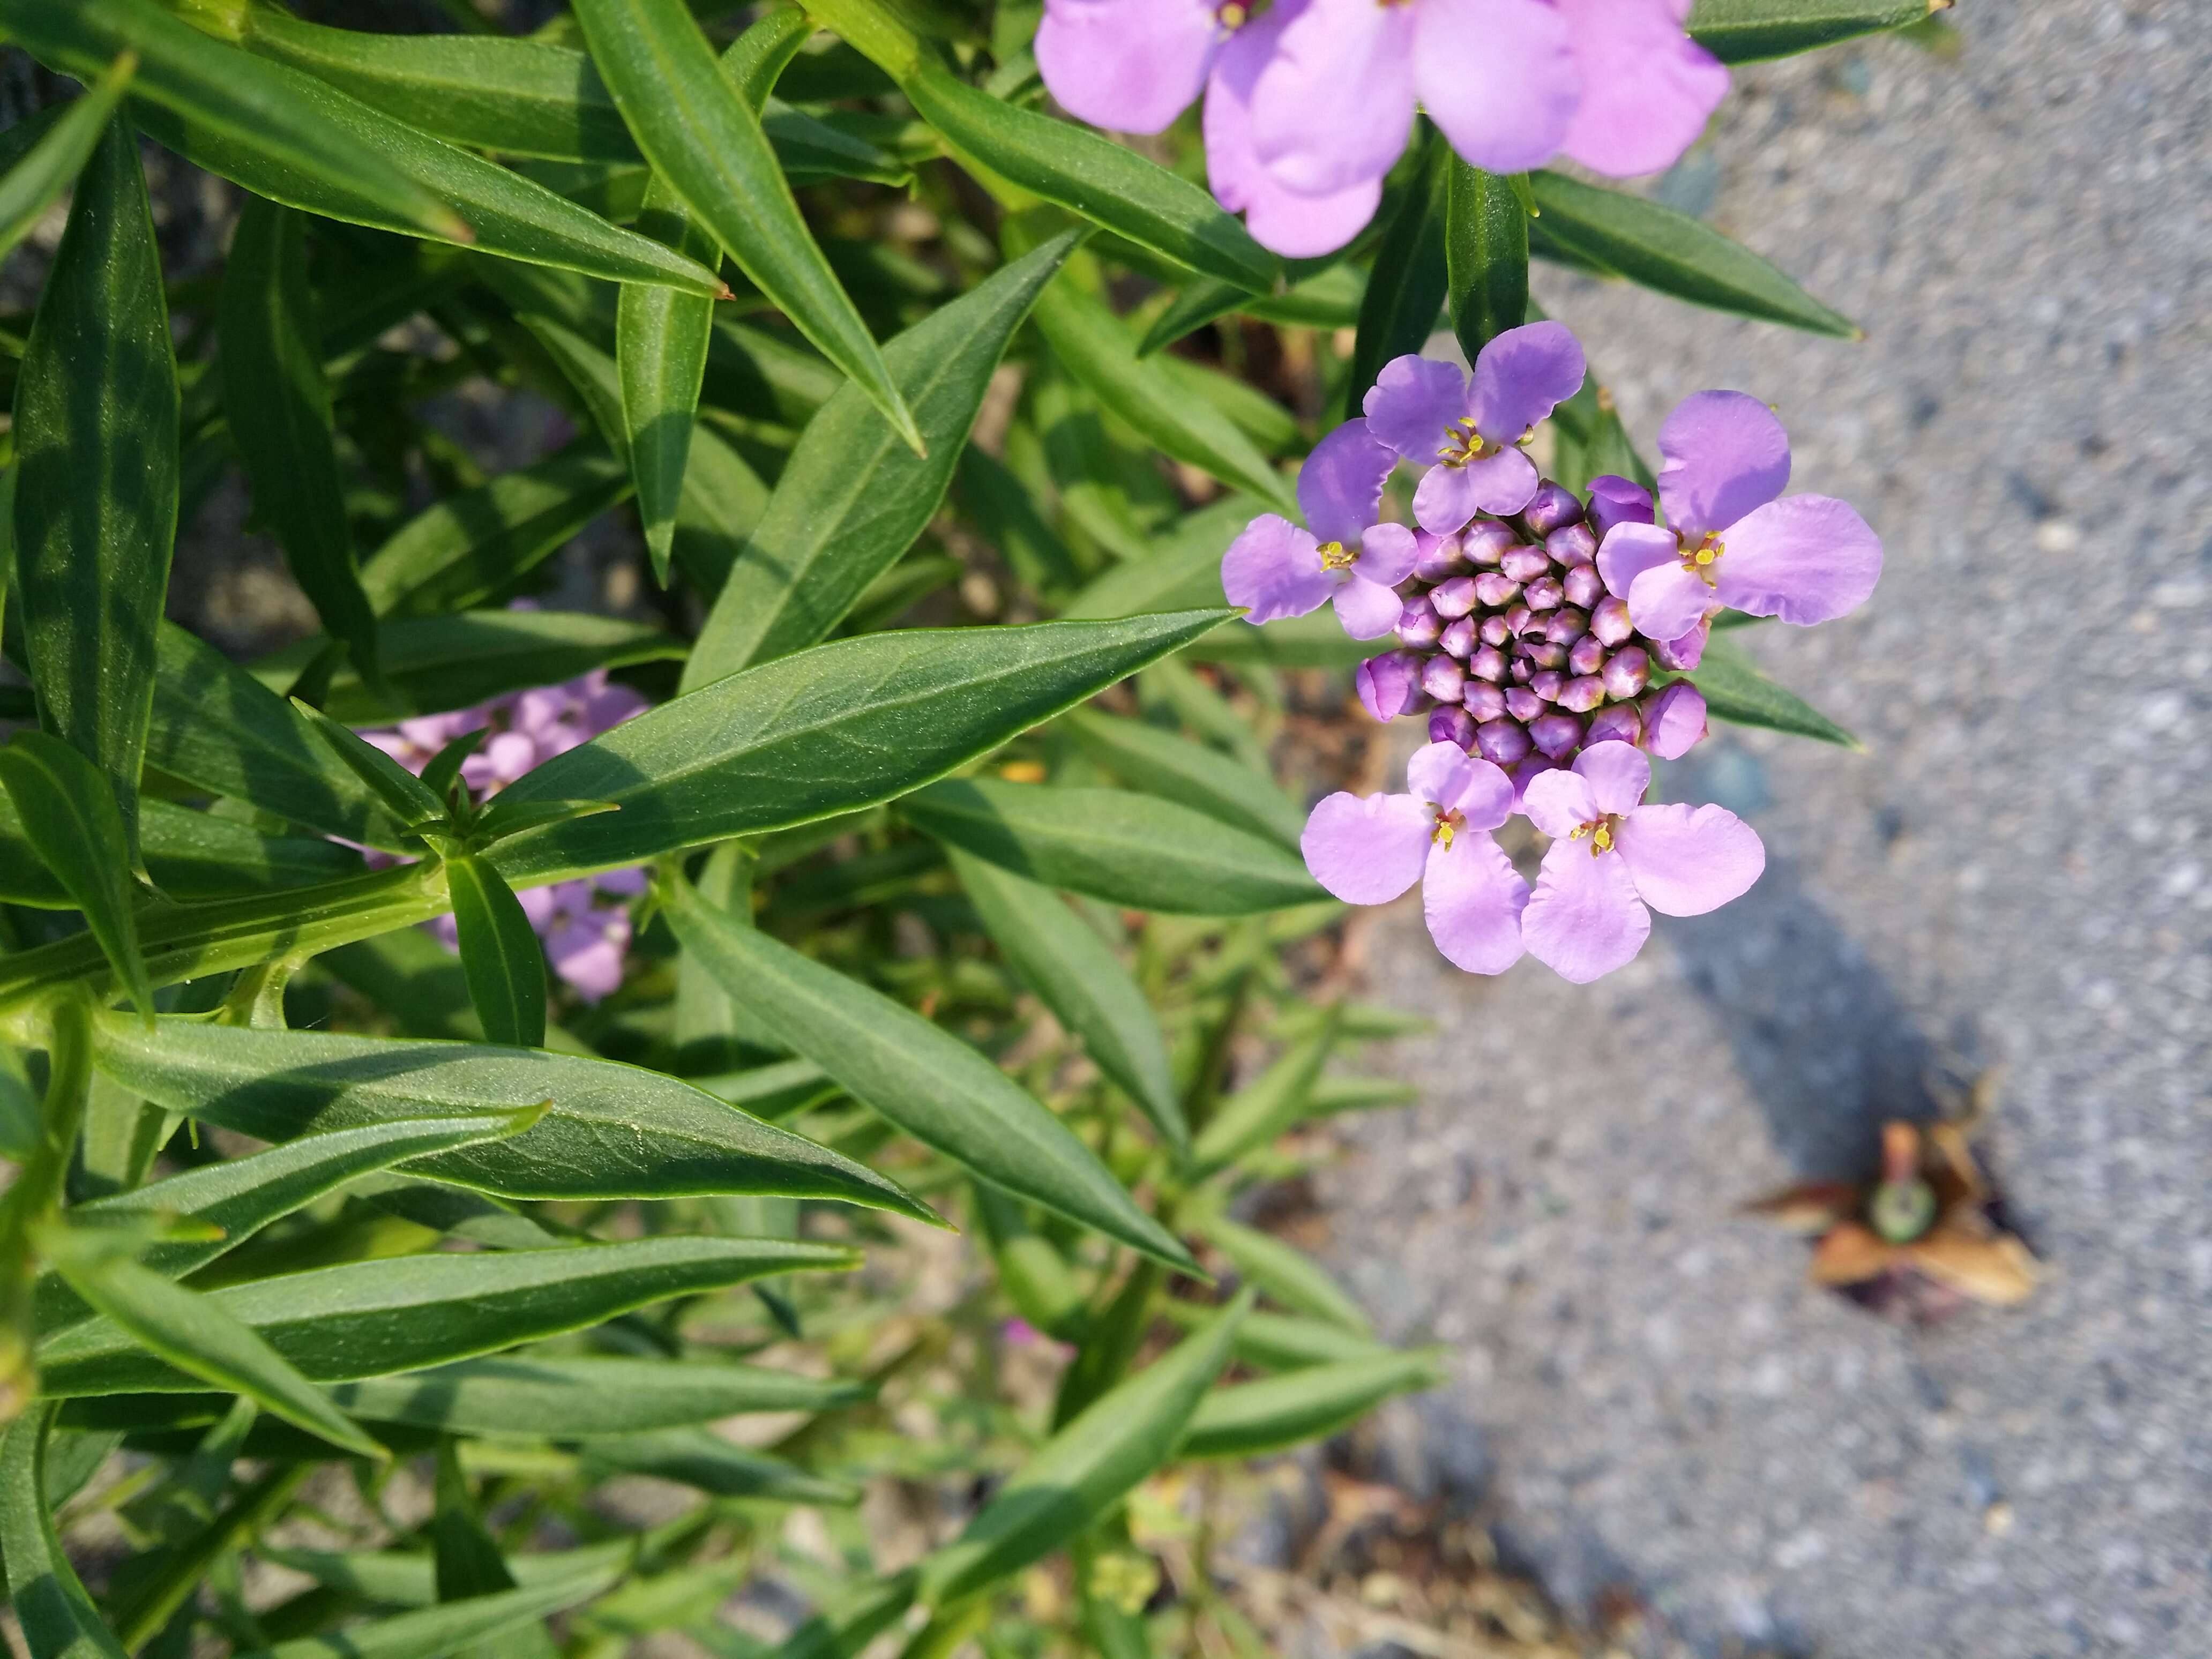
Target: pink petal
{"points": [[1725, 454], [1295, 225], [1340, 485], [1485, 795], [1274, 569], [1667, 601], [1413, 404], [1388, 553], [1334, 104], [1499, 77], [1629, 550], [1618, 774], [1436, 772], [1804, 558], [1446, 498], [1584, 919], [1472, 898], [1676, 722], [1367, 610], [1521, 377], [1688, 861], [1502, 483], [1133, 65], [1367, 852], [1647, 87], [1559, 804]]}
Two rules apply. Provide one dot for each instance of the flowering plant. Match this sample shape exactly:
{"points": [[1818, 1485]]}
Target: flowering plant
{"points": [[755, 778]]}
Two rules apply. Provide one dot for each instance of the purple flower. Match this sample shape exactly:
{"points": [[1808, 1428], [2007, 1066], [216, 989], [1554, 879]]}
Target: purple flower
{"points": [[1612, 857], [1276, 570], [1647, 88], [1370, 851], [1729, 541], [1467, 432]]}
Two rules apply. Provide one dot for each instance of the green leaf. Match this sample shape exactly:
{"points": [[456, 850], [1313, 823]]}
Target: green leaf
{"points": [[1085, 1469], [225, 92], [1313, 641], [1184, 567], [1265, 1108], [1748, 31], [706, 142], [1659, 248], [558, 1397], [843, 725], [68, 814], [499, 953], [406, 796], [1285, 1411], [373, 1318], [1088, 173], [462, 549], [1282, 1273], [1486, 256], [408, 1577], [450, 1627], [1128, 850], [853, 497], [920, 1077], [279, 409], [1076, 974], [845, 1625], [1202, 778], [96, 434], [194, 1333], [1405, 292], [702, 1459], [660, 349], [613, 1131], [35, 182], [57, 1618], [1735, 688], [1286, 1342], [1095, 347]]}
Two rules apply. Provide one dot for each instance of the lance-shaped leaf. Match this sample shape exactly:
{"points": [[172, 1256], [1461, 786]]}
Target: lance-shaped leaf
{"points": [[1658, 247], [408, 1577], [853, 497], [847, 1624], [1075, 1477], [1748, 31], [372, 1318], [406, 796], [1112, 844], [1270, 1104], [585, 1396], [194, 1333], [661, 347], [68, 813], [499, 953], [1076, 974], [706, 142], [450, 1627], [34, 182], [1159, 763], [613, 1131], [193, 856], [57, 1617], [843, 725], [1286, 1342], [1303, 1405], [1096, 348], [279, 405], [919, 1076], [1737, 689], [1405, 293], [216, 726], [700, 1458], [1183, 569], [221, 88], [1485, 255], [96, 424], [1283, 1272]]}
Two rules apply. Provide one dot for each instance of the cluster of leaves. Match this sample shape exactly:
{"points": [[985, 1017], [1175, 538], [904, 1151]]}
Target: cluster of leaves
{"points": [[936, 931]]}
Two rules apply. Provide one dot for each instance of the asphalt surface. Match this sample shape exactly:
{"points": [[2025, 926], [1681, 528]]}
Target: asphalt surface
{"points": [[2019, 874]]}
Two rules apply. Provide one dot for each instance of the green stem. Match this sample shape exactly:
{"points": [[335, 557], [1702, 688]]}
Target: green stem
{"points": [[36, 1196]]}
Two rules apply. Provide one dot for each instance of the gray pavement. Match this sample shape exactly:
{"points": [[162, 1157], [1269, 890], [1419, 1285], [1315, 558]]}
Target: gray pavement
{"points": [[2019, 874]]}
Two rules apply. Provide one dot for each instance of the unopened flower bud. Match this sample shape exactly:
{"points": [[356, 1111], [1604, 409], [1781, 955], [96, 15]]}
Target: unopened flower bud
{"points": [[1388, 684], [1587, 654], [1545, 594], [1609, 620], [1615, 499], [1551, 506], [1628, 672], [1571, 544], [1583, 584], [1521, 670], [1674, 720], [1543, 653], [1419, 624], [1443, 679], [1581, 694], [1495, 590], [1547, 684], [1503, 743], [1451, 724], [1488, 663], [1521, 619], [1522, 703], [1524, 563], [1683, 654], [1438, 557], [1616, 722], [1555, 734], [1483, 700], [1485, 541], [1458, 637], [1453, 599], [1494, 631], [1565, 627]]}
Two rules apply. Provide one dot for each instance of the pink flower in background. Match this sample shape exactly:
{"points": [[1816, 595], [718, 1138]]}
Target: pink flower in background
{"points": [[584, 924], [1370, 851], [1729, 541], [1276, 570], [1613, 859]]}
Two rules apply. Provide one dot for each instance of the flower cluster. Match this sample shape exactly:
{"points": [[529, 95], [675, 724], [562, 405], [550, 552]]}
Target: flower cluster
{"points": [[1309, 102], [585, 924], [1547, 637]]}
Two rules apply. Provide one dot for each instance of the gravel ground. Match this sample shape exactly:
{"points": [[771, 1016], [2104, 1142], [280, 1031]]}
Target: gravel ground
{"points": [[2016, 874]]}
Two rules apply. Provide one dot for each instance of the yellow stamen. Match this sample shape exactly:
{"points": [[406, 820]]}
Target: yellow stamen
{"points": [[1600, 831], [1448, 825], [1232, 16], [1335, 556]]}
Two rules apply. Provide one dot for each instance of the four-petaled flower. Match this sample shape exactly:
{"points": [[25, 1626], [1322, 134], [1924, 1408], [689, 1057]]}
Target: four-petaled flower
{"points": [[1611, 856], [1467, 432], [1370, 851], [1277, 570], [1729, 541]]}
